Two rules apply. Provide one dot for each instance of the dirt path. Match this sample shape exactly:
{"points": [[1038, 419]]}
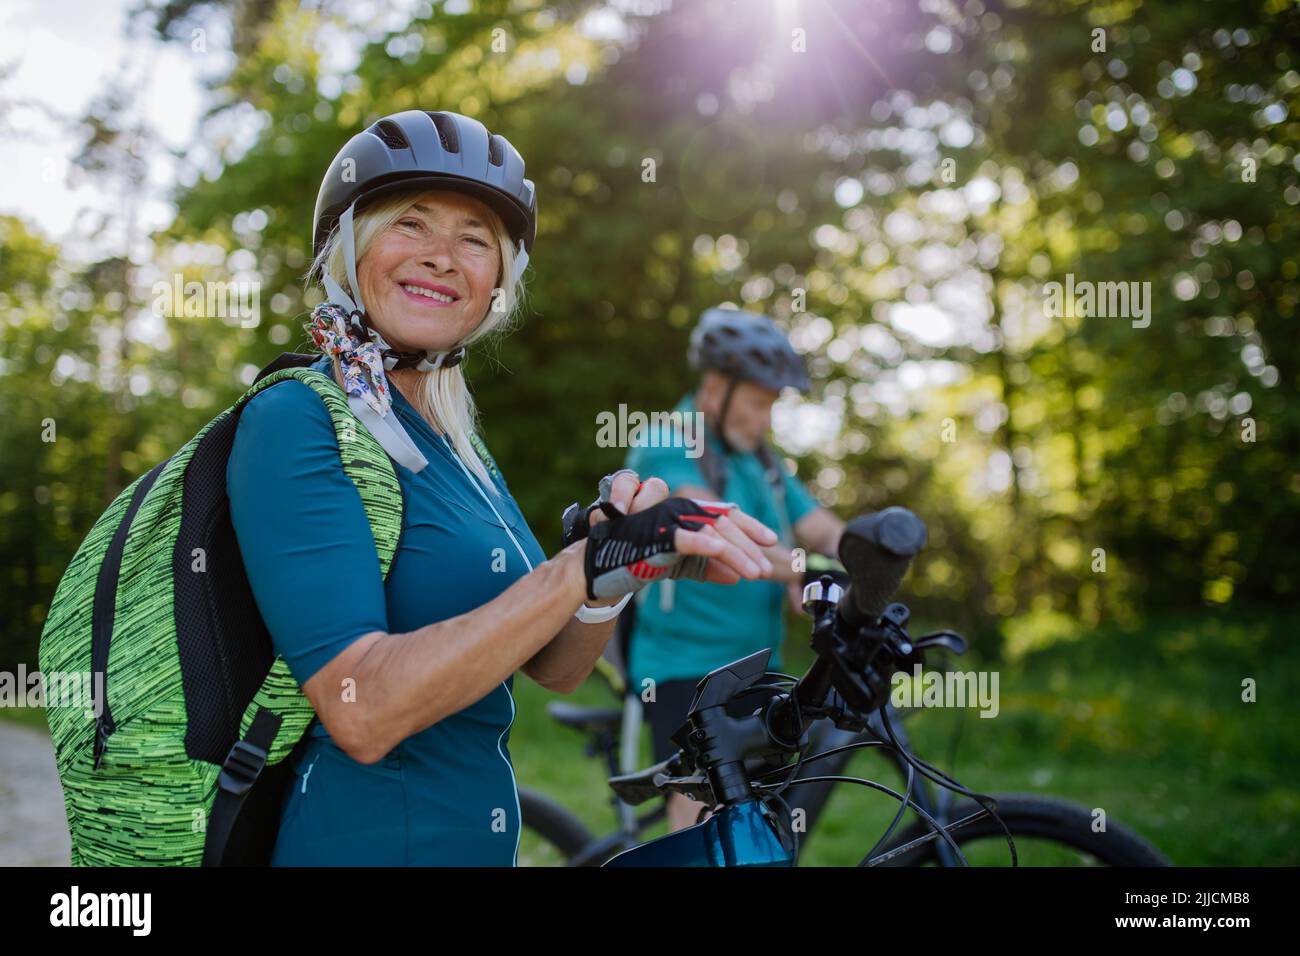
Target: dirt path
{"points": [[33, 828]]}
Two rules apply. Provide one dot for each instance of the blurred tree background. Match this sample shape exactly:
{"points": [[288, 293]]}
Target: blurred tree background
{"points": [[897, 192], [895, 182]]}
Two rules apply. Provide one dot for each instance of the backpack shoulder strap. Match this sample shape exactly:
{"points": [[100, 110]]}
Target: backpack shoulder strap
{"points": [[480, 446], [364, 461], [714, 468], [287, 360]]}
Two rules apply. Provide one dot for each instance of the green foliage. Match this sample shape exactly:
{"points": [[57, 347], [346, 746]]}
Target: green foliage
{"points": [[1080, 475], [1070, 437]]}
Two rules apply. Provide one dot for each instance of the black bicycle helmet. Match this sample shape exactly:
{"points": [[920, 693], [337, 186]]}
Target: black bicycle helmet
{"points": [[418, 149], [747, 347]]}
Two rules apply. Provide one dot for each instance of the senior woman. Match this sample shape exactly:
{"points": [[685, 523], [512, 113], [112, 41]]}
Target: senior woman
{"points": [[428, 221]]}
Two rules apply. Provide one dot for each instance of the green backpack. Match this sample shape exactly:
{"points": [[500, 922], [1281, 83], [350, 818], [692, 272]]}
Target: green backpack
{"points": [[187, 760]]}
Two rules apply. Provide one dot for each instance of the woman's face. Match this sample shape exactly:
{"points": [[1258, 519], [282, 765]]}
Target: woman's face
{"points": [[427, 280]]}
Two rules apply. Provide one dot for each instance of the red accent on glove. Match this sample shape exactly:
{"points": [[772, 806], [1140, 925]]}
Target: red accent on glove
{"points": [[646, 572], [702, 519]]}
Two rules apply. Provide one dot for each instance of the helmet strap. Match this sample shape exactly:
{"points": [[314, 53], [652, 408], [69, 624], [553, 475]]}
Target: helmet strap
{"points": [[521, 263], [333, 289], [722, 415]]}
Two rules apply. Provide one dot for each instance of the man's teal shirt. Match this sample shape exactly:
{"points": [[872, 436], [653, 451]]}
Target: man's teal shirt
{"points": [[687, 628]]}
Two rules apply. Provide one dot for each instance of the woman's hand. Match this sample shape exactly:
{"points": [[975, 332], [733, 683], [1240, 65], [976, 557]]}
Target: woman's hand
{"points": [[732, 544], [629, 494]]}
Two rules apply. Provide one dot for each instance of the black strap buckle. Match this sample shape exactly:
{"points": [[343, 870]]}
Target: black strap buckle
{"points": [[576, 520], [242, 767], [573, 524]]}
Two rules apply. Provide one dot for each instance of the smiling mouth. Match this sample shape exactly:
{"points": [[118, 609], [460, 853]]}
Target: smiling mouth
{"points": [[427, 293]]}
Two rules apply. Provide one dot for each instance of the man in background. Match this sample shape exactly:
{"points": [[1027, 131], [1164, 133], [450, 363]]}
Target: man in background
{"points": [[680, 630]]}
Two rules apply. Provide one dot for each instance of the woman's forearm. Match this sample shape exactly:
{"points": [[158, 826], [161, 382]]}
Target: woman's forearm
{"points": [[397, 685], [564, 663], [411, 681]]}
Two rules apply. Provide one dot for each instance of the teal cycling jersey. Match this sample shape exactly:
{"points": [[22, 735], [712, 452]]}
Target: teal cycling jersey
{"points": [[687, 628], [445, 795]]}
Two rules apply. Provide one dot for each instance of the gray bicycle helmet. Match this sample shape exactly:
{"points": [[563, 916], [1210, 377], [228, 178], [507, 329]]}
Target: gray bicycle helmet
{"points": [[411, 150], [747, 347]]}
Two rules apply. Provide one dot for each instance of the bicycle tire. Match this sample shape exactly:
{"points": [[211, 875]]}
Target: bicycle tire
{"points": [[1034, 816], [553, 824]]}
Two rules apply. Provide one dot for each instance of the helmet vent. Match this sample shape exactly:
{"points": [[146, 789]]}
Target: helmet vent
{"points": [[446, 132], [496, 155], [392, 135]]}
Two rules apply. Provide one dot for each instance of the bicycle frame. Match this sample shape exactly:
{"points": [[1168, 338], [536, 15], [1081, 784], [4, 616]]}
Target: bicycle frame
{"points": [[743, 835]]}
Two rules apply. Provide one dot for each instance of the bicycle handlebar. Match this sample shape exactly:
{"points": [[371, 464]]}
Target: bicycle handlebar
{"points": [[860, 641], [877, 550]]}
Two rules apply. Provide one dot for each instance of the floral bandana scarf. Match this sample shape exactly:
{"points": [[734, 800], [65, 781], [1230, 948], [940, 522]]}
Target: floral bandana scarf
{"points": [[360, 359]]}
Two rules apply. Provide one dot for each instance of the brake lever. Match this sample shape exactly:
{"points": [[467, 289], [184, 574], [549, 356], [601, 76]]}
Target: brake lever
{"points": [[697, 783], [948, 640]]}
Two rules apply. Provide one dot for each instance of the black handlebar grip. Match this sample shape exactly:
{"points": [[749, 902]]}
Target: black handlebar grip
{"points": [[877, 550]]}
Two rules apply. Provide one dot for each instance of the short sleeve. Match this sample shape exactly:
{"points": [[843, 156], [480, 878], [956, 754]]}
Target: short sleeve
{"points": [[798, 501], [302, 529]]}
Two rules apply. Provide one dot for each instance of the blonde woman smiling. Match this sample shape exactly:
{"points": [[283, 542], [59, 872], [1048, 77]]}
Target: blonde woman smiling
{"points": [[423, 226]]}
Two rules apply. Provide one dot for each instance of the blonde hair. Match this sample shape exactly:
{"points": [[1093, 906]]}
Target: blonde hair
{"points": [[442, 398]]}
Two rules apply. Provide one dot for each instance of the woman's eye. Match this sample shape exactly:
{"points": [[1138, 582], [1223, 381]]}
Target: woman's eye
{"points": [[410, 222], [477, 240]]}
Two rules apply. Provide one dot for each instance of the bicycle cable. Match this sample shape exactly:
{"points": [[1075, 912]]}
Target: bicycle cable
{"points": [[929, 772], [911, 780], [934, 824], [902, 808], [910, 845], [911, 764], [790, 677], [826, 753], [798, 724], [789, 815]]}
